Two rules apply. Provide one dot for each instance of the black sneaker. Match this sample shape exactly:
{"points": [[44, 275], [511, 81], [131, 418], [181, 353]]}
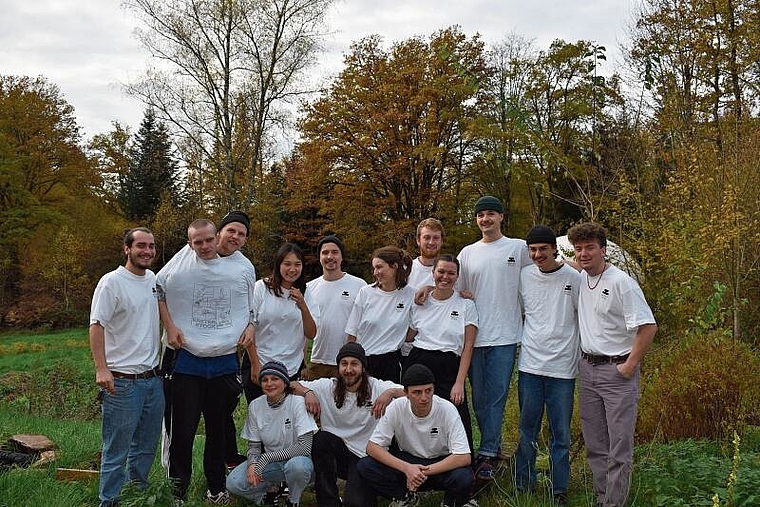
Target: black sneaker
{"points": [[560, 499]]}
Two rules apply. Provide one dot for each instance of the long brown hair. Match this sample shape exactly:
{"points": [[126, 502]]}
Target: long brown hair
{"points": [[398, 258], [363, 395], [274, 282]]}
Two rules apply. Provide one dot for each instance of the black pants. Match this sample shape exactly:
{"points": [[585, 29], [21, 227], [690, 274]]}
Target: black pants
{"points": [[192, 397], [385, 366], [390, 483], [332, 459], [445, 366]]}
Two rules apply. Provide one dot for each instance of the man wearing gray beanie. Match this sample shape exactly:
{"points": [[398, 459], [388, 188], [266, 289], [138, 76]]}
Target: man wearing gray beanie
{"points": [[432, 454], [490, 270]]}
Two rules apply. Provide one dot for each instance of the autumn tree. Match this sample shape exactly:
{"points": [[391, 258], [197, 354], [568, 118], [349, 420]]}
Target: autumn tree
{"points": [[388, 143], [225, 72]]}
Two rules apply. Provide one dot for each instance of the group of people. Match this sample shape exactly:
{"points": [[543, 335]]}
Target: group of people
{"points": [[414, 336]]}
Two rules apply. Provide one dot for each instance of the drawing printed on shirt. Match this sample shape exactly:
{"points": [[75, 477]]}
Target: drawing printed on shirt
{"points": [[212, 306]]}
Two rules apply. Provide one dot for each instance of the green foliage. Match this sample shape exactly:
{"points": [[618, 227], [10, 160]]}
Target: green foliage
{"points": [[705, 389]]}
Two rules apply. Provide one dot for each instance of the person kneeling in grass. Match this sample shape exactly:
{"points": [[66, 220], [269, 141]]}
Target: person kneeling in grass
{"points": [[280, 423]]}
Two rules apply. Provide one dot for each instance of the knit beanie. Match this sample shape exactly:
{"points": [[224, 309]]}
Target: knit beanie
{"points": [[541, 234], [352, 349], [277, 369], [236, 216], [331, 239], [417, 375], [488, 202]]}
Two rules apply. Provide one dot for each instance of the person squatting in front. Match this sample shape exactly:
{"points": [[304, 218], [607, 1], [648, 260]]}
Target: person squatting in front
{"points": [[279, 431], [432, 451]]}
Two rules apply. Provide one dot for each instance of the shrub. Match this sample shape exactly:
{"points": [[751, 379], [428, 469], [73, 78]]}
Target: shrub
{"points": [[706, 389]]}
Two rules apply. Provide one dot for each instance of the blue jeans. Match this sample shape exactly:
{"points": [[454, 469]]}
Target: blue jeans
{"points": [[490, 374], [297, 473], [132, 418], [535, 392]]}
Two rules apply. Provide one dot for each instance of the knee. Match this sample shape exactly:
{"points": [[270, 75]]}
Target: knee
{"points": [[299, 465], [462, 478], [237, 481]]}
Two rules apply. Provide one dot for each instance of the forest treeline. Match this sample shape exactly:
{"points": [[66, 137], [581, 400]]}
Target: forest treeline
{"points": [[664, 153]]}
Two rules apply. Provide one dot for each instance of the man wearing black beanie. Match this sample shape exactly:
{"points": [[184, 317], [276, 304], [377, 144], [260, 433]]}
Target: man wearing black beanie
{"points": [[432, 454]]}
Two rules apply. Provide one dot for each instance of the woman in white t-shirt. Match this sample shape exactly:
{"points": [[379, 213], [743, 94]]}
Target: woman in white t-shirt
{"points": [[443, 329], [380, 315], [283, 318], [279, 431]]}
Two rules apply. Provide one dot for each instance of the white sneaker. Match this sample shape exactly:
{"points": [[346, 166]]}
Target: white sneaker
{"points": [[410, 500], [221, 498]]}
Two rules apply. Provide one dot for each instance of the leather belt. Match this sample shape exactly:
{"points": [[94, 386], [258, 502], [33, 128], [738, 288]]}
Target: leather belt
{"points": [[136, 376], [591, 358]]}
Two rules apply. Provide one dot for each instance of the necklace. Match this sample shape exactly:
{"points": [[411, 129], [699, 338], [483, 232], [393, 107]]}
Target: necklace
{"points": [[597, 280]]}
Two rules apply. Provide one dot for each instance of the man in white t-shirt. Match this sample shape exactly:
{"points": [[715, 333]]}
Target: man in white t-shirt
{"points": [[548, 362], [617, 328], [490, 271], [205, 304], [432, 452], [125, 345], [334, 292], [348, 406]]}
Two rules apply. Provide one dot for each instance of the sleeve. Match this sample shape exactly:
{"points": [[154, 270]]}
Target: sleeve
{"points": [[352, 325], [257, 302], [313, 306], [250, 430], [384, 431], [302, 447], [457, 438], [470, 313], [524, 255], [635, 307], [103, 303], [413, 316]]}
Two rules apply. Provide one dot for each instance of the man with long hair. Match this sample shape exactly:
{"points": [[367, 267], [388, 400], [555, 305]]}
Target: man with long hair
{"points": [[348, 406]]}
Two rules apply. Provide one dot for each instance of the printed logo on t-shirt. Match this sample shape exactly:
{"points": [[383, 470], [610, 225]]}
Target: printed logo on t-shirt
{"points": [[288, 423], [368, 404], [400, 307], [434, 432], [345, 295], [605, 293], [511, 260], [568, 290], [155, 292], [454, 315]]}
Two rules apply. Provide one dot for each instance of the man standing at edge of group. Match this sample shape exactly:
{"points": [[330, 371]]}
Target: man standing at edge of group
{"points": [[334, 292], [205, 304], [348, 406], [125, 345], [617, 328], [548, 362], [490, 271]]}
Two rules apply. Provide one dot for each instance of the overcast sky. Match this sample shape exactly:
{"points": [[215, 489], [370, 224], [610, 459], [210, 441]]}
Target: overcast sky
{"points": [[88, 49]]}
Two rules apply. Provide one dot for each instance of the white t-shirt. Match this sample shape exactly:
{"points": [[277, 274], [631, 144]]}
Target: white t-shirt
{"points": [[279, 327], [421, 275], [491, 271], [611, 313], [126, 305], [351, 423], [550, 340], [335, 299], [440, 324], [440, 433], [379, 319], [277, 428], [208, 300]]}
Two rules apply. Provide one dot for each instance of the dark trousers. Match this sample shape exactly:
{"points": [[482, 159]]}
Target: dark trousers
{"points": [[444, 366], [390, 483], [192, 397], [385, 366], [332, 459]]}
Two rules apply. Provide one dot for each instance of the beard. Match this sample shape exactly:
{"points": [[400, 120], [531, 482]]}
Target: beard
{"points": [[351, 381]]}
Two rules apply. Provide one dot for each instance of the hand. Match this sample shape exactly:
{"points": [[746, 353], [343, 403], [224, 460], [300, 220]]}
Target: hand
{"points": [[255, 370], [254, 479], [422, 294], [457, 394], [626, 370], [175, 339], [104, 378], [312, 403], [466, 294], [296, 296], [382, 401], [415, 476], [247, 337]]}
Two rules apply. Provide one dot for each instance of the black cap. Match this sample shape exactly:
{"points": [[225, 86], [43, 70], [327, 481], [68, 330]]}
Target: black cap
{"points": [[277, 369], [541, 234], [488, 202], [236, 216], [417, 375], [331, 239], [352, 349]]}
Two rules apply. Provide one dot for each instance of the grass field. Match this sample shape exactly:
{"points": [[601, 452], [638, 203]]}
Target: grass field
{"points": [[47, 387]]}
